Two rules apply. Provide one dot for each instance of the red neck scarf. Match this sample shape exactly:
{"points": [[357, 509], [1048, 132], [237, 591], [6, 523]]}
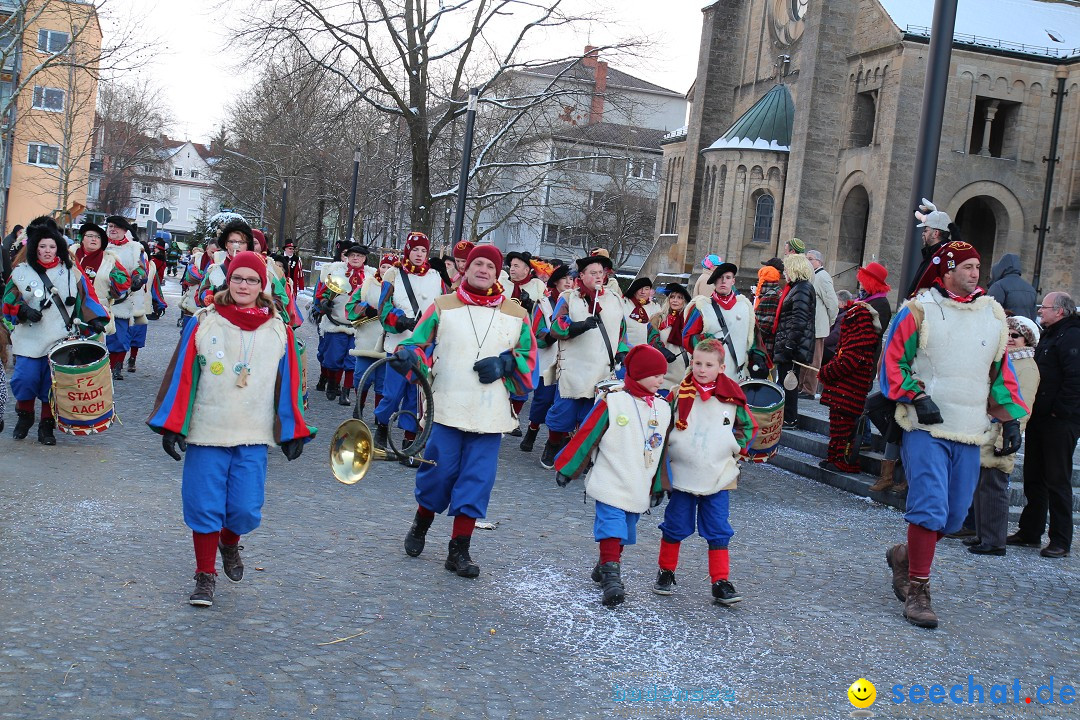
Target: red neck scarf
{"points": [[418, 270], [356, 276], [724, 389], [977, 293], [49, 265], [492, 297], [590, 296], [89, 261], [121, 241], [631, 386], [639, 313], [244, 318], [727, 301], [674, 320]]}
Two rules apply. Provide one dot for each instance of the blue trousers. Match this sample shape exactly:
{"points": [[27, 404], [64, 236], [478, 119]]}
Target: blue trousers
{"points": [[224, 487], [397, 392], [119, 341], [336, 347], [31, 379], [941, 476], [360, 367], [542, 400], [566, 413], [461, 482], [611, 522], [320, 352], [137, 333], [710, 512]]}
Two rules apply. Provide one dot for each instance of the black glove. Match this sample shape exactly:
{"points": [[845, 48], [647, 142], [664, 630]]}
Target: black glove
{"points": [[927, 411], [28, 314], [97, 325], [170, 441], [562, 480], [406, 324], [668, 355], [292, 449], [494, 368], [526, 302], [657, 498], [619, 357], [156, 315], [1010, 438], [402, 361], [581, 326], [326, 306], [138, 283]]}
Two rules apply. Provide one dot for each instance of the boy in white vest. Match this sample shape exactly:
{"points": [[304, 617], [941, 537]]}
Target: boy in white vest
{"points": [[478, 350], [626, 428], [639, 307], [713, 428], [132, 256], [589, 324], [945, 362], [727, 315]]}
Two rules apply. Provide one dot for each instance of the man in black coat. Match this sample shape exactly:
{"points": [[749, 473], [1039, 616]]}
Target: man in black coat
{"points": [[1053, 430], [794, 329], [1012, 292], [937, 230]]}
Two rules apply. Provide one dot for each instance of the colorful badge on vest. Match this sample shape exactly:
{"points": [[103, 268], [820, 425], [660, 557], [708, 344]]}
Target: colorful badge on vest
{"points": [[217, 368], [622, 420]]}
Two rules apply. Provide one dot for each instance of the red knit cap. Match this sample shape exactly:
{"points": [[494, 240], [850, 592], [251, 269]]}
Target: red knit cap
{"points": [[251, 261], [390, 259], [950, 255], [644, 361], [489, 252], [416, 239], [259, 237], [462, 250]]}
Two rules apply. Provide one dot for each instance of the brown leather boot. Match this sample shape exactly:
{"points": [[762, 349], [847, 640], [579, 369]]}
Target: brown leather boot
{"points": [[917, 608], [897, 559], [885, 480]]}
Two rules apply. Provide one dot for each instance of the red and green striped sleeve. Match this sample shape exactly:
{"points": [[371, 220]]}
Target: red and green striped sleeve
{"points": [[560, 320], [541, 329], [526, 374], [119, 280], [693, 328], [1005, 397], [192, 276], [389, 315], [356, 309], [157, 298], [624, 344], [176, 397], [11, 304], [897, 380], [745, 429], [87, 306], [572, 459], [422, 340], [204, 296], [289, 422], [653, 337]]}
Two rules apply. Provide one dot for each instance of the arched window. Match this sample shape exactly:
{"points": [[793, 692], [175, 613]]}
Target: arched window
{"points": [[763, 215]]}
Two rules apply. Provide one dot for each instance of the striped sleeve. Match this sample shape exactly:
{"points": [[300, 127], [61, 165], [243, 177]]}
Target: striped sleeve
{"points": [[526, 374], [192, 276], [541, 329], [356, 309], [693, 328], [389, 315], [176, 397], [289, 423], [119, 280], [422, 340], [573, 459], [624, 344], [897, 380], [87, 305], [560, 320], [746, 428], [1005, 398], [157, 298], [11, 304], [204, 296], [653, 337]]}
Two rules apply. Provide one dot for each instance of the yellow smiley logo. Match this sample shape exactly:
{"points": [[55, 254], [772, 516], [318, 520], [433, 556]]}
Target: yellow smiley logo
{"points": [[862, 693], [217, 368], [622, 420]]}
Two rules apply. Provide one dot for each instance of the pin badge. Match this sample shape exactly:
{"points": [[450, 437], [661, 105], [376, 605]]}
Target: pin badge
{"points": [[622, 420], [217, 368]]}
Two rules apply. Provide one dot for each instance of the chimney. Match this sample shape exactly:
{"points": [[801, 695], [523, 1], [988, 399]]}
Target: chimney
{"points": [[600, 71]]}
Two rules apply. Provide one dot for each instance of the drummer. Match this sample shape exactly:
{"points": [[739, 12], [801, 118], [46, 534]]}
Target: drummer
{"points": [[669, 323], [585, 357], [44, 296], [363, 307], [132, 255], [727, 316]]}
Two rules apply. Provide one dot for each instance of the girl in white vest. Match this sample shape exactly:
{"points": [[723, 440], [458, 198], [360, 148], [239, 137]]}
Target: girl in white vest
{"points": [[543, 396], [101, 267], [233, 388], [44, 295], [132, 256], [713, 428], [623, 436], [638, 308], [703, 319], [335, 326], [589, 324], [478, 350], [368, 345], [669, 323], [399, 311]]}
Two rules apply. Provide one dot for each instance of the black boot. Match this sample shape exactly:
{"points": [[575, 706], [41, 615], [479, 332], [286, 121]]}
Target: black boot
{"points": [[414, 540], [332, 389], [344, 399], [611, 582], [23, 424], [118, 372], [131, 364], [458, 561], [45, 431], [231, 562], [547, 460], [382, 435], [529, 440], [321, 385]]}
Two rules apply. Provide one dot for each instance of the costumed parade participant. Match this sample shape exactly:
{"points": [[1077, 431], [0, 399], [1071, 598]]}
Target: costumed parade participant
{"points": [[669, 324], [627, 427], [478, 350], [946, 365], [729, 317], [335, 326], [109, 278], [294, 266], [232, 389], [639, 308], [548, 353], [316, 313], [525, 288], [191, 280], [149, 303], [278, 287], [44, 296], [461, 257], [127, 312], [236, 237], [703, 453], [406, 293], [585, 357], [362, 311]]}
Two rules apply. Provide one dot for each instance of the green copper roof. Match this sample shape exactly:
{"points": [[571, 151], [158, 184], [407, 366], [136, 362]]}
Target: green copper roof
{"points": [[765, 126]]}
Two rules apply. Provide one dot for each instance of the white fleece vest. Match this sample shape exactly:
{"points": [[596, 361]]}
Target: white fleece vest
{"points": [[369, 336], [958, 342], [326, 325], [548, 358], [637, 333], [425, 287], [619, 475], [102, 282], [33, 340], [142, 301], [225, 415], [466, 334], [130, 255], [676, 370], [704, 456], [740, 323], [583, 361]]}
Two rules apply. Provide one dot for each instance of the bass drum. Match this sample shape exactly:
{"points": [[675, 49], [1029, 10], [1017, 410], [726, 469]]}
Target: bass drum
{"points": [[82, 389], [766, 401]]}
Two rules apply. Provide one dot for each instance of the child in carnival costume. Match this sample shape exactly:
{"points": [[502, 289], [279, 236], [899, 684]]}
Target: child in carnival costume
{"points": [[368, 345]]}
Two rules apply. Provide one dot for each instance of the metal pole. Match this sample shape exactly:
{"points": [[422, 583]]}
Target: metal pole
{"points": [[926, 154], [262, 208], [281, 221], [352, 196], [466, 159], [1051, 163]]}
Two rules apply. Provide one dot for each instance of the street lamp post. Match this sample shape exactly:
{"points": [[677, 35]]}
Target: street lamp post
{"points": [[281, 220], [352, 196], [466, 159]]}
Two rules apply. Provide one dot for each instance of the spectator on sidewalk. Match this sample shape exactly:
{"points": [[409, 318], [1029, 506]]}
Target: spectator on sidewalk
{"points": [[767, 301], [1012, 292], [843, 299], [826, 307], [794, 330]]}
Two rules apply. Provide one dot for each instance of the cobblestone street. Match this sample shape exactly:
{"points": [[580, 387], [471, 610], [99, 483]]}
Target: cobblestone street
{"points": [[333, 620]]}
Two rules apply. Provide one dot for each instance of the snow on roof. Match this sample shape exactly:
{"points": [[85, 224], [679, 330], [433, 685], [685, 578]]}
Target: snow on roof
{"points": [[765, 126], [1048, 28]]}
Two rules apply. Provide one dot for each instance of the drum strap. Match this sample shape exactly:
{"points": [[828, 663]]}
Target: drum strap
{"points": [[54, 295], [727, 334], [412, 296], [607, 341]]}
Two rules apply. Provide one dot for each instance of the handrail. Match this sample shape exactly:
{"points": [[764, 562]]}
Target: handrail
{"points": [[995, 43]]}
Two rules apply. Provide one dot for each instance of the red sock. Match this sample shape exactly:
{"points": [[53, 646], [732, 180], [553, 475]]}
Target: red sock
{"points": [[408, 436], [348, 379], [363, 398], [322, 373], [335, 375], [517, 405], [718, 564], [610, 550], [205, 552], [228, 537], [921, 544], [46, 411], [424, 512], [669, 555], [116, 358], [534, 426], [463, 526], [134, 353], [378, 399], [25, 405], [557, 438]]}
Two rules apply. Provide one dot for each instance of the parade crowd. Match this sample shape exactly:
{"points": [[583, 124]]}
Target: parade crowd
{"points": [[652, 395]]}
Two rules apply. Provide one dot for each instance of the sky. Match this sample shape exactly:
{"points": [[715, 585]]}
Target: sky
{"points": [[200, 75]]}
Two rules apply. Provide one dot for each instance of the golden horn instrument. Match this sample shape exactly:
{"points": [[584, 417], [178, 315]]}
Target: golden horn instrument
{"points": [[352, 450], [337, 285]]}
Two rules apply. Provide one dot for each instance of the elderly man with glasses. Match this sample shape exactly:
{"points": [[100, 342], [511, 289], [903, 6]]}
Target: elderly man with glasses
{"points": [[1053, 430]]}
